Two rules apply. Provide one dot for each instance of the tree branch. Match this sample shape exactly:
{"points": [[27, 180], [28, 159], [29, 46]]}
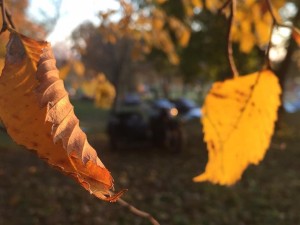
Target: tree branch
{"points": [[224, 6], [267, 58], [138, 212], [271, 11], [229, 40]]}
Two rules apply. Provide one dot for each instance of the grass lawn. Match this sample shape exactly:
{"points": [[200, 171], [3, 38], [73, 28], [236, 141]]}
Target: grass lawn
{"points": [[160, 182]]}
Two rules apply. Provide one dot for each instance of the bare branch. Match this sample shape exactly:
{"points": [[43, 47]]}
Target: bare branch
{"points": [[138, 212], [229, 40]]}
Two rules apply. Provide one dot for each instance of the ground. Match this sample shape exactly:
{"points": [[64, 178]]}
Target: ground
{"points": [[160, 182]]}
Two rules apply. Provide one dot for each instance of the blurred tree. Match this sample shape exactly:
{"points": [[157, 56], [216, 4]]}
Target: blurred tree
{"points": [[188, 37], [113, 59]]}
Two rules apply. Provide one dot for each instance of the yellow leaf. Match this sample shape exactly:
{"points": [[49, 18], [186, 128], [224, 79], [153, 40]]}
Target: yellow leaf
{"points": [[184, 38], [247, 42], [79, 68], [157, 24], [43, 119], [238, 123], [197, 3], [213, 5], [263, 32]]}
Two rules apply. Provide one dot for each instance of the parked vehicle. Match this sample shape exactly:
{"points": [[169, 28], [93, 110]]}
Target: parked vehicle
{"points": [[155, 124], [187, 109]]}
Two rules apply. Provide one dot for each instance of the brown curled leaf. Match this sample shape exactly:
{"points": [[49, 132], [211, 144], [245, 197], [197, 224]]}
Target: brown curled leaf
{"points": [[37, 113]]}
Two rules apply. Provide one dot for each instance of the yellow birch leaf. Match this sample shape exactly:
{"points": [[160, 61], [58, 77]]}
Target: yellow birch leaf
{"points": [[238, 123], [37, 113]]}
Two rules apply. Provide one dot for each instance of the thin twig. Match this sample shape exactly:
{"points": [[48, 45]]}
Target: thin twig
{"points": [[4, 20], [267, 53], [9, 18], [229, 40], [224, 6], [138, 212], [271, 11]]}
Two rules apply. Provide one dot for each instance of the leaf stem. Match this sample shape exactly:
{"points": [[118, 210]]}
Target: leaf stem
{"points": [[276, 22], [138, 212], [267, 53], [229, 40], [9, 18], [4, 19]]}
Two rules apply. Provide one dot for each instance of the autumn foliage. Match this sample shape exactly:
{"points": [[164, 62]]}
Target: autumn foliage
{"points": [[44, 121], [239, 114]]}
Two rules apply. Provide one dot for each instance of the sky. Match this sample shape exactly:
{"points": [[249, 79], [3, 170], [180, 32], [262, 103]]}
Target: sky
{"points": [[72, 14]]}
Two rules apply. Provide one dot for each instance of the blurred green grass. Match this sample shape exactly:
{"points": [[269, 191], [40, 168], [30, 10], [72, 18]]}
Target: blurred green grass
{"points": [[160, 182]]}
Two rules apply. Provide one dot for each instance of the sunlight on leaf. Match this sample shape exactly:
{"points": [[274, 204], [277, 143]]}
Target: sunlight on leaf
{"points": [[238, 123], [44, 120]]}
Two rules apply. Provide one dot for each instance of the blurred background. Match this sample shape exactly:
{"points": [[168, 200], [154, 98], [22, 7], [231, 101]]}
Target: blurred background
{"points": [[137, 73]]}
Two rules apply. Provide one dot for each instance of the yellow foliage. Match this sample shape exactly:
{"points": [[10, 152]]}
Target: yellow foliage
{"points": [[181, 31], [184, 38], [78, 68], [64, 71], [105, 94], [253, 23], [238, 122], [214, 5], [101, 90], [89, 88], [197, 3], [247, 42]]}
